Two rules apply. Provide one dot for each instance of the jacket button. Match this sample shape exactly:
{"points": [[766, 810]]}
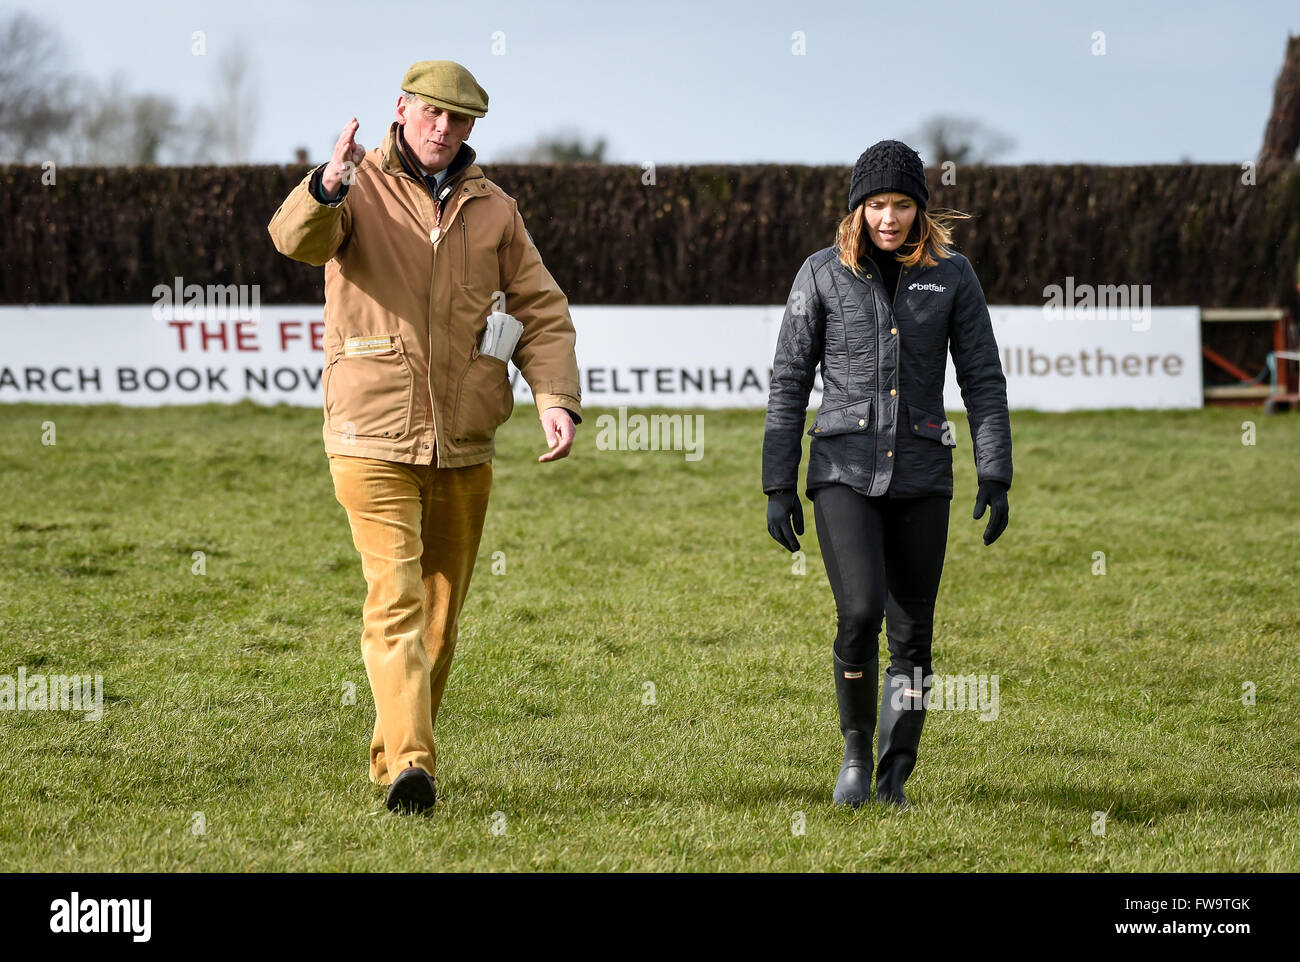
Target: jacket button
{"points": [[868, 277], [892, 392], [889, 454], [862, 422], [893, 330]]}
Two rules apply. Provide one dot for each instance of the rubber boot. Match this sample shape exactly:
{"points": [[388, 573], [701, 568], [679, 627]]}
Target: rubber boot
{"points": [[902, 716], [855, 692]]}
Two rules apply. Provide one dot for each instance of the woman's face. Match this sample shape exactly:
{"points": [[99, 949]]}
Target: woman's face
{"points": [[889, 219]]}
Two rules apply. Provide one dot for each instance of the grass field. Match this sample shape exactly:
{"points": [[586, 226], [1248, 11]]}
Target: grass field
{"points": [[1119, 693]]}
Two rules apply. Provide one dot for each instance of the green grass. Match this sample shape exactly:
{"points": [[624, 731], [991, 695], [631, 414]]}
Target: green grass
{"points": [[1120, 693]]}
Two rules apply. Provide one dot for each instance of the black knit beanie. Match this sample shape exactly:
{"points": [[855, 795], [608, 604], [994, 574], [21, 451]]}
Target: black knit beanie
{"points": [[888, 165]]}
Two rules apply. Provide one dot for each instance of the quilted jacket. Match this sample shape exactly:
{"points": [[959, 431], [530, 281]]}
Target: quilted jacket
{"points": [[881, 427]]}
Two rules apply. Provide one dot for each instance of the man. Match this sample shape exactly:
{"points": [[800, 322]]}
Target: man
{"points": [[419, 247]]}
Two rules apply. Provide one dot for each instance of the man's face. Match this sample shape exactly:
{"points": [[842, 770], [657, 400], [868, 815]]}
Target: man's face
{"points": [[434, 134]]}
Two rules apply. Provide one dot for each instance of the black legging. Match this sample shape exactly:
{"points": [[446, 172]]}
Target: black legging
{"points": [[883, 557]]}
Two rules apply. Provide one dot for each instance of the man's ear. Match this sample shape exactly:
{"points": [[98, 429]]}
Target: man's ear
{"points": [[401, 110], [471, 128]]}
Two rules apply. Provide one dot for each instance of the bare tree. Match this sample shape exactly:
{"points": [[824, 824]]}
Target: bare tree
{"points": [[222, 131], [963, 141], [35, 106], [48, 114], [115, 126], [153, 120], [101, 135], [561, 147]]}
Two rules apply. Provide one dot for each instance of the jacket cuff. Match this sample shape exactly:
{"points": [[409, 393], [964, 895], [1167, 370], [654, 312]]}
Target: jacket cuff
{"points": [[316, 188], [565, 401]]}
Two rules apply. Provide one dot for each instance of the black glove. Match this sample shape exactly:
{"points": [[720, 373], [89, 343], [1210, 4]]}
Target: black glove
{"points": [[782, 507], [994, 495]]}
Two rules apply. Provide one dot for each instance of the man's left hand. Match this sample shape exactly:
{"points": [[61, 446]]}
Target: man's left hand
{"points": [[558, 426]]}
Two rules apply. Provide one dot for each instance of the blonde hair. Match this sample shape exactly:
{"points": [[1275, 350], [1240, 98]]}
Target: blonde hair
{"points": [[930, 237]]}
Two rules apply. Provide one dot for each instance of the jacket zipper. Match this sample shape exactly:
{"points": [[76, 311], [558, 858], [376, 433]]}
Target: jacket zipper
{"points": [[428, 381], [893, 317], [437, 203], [438, 197]]}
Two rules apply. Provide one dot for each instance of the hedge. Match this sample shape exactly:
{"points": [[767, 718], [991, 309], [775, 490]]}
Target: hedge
{"points": [[699, 235]]}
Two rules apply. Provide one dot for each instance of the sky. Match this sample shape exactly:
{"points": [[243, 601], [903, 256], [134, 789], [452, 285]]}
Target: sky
{"points": [[726, 82]]}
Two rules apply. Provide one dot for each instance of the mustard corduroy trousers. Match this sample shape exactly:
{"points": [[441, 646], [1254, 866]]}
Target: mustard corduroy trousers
{"points": [[417, 528]]}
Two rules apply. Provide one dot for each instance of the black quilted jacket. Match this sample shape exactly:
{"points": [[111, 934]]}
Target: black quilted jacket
{"points": [[880, 428]]}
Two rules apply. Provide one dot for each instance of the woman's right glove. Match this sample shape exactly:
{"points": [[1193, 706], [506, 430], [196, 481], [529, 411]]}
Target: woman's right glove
{"points": [[783, 508]]}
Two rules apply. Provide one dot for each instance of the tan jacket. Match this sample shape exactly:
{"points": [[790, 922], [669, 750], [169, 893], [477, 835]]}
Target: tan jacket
{"points": [[408, 289]]}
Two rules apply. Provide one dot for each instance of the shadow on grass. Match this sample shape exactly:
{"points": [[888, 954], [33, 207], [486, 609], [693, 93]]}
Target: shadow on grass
{"points": [[1128, 805]]}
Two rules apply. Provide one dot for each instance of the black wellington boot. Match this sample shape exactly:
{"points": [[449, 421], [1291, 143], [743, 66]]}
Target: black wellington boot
{"points": [[902, 715], [855, 692]]}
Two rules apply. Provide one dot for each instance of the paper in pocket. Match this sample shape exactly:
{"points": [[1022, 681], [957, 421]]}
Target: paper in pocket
{"points": [[501, 336]]}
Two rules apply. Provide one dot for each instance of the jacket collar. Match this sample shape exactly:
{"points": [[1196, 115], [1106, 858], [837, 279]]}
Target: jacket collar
{"points": [[396, 161]]}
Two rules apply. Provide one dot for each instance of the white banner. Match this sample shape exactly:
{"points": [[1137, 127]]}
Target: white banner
{"points": [[1095, 359], [691, 357]]}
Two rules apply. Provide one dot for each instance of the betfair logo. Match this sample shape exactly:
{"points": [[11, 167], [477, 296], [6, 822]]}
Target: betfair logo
{"points": [[937, 288]]}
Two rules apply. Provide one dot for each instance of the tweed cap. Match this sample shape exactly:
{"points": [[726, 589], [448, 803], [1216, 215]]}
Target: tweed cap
{"points": [[446, 84]]}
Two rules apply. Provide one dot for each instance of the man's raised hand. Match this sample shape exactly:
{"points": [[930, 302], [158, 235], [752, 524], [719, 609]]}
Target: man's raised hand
{"points": [[347, 154]]}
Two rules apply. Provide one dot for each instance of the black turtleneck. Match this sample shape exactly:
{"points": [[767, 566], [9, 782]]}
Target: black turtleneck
{"points": [[887, 262]]}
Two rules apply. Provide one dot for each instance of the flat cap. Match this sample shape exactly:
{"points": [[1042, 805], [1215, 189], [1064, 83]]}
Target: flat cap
{"points": [[446, 84]]}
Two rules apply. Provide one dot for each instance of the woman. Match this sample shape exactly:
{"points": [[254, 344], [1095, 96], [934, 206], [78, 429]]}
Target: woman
{"points": [[879, 312]]}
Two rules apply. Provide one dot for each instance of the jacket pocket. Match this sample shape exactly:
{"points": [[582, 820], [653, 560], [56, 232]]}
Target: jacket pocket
{"points": [[932, 426], [842, 419], [464, 249], [368, 388], [484, 399]]}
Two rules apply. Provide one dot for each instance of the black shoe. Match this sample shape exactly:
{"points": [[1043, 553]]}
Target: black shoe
{"points": [[855, 693], [412, 791], [902, 715]]}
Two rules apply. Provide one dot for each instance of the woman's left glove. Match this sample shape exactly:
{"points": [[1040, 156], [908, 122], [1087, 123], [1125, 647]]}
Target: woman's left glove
{"points": [[783, 507], [993, 494]]}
